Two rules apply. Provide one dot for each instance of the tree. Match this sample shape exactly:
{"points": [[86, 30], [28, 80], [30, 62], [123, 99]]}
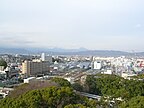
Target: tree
{"points": [[114, 87], [3, 63], [75, 106], [77, 86], [31, 86], [62, 82], [135, 102], [52, 97]]}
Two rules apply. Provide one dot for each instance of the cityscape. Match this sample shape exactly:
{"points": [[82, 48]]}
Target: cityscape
{"points": [[16, 70], [71, 54]]}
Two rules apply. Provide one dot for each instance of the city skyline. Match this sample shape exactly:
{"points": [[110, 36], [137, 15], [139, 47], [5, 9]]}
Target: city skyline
{"points": [[71, 24]]}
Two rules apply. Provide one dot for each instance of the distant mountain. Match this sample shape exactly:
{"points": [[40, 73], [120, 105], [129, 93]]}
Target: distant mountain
{"points": [[38, 50], [60, 51], [80, 51], [14, 51], [103, 53], [139, 54], [55, 49]]}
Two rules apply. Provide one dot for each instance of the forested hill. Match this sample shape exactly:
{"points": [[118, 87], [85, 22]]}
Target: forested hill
{"points": [[58, 51], [59, 93], [46, 95]]}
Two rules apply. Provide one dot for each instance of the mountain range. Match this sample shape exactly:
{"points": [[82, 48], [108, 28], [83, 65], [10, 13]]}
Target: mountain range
{"points": [[61, 51]]}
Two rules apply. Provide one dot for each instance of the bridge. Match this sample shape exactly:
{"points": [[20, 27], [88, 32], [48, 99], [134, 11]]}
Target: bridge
{"points": [[97, 97]]}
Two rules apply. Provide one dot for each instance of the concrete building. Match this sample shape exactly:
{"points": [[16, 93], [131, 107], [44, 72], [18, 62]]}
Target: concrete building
{"points": [[43, 57], [46, 58], [97, 65], [1, 68], [49, 59], [34, 67], [108, 71], [12, 71], [30, 79]]}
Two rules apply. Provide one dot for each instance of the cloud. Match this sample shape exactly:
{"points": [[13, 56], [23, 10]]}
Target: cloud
{"points": [[94, 24]]}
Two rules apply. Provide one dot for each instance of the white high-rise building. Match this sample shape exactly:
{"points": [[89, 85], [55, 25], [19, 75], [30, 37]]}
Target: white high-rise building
{"points": [[46, 58], [43, 57], [97, 65]]}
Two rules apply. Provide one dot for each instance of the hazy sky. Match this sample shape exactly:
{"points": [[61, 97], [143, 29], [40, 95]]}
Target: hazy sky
{"points": [[93, 24]]}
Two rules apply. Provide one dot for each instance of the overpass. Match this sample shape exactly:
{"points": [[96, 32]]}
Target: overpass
{"points": [[97, 97]]}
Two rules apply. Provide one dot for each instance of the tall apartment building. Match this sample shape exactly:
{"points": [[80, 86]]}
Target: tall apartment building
{"points": [[34, 67]]}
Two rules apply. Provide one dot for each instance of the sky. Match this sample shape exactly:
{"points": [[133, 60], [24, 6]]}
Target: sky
{"points": [[70, 24]]}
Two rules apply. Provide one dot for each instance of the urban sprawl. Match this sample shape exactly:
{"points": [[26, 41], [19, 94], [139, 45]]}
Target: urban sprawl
{"points": [[16, 70]]}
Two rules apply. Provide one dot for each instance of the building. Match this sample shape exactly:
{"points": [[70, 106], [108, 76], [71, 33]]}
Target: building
{"points": [[34, 67], [1, 68], [49, 59], [97, 65], [12, 71], [46, 58], [43, 57], [108, 71], [30, 79]]}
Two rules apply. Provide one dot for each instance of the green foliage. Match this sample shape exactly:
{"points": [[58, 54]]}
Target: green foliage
{"points": [[75, 106], [45, 98], [31, 86], [62, 82], [136, 102], [3, 63], [140, 76], [88, 104], [111, 85], [91, 103], [77, 86], [52, 97]]}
